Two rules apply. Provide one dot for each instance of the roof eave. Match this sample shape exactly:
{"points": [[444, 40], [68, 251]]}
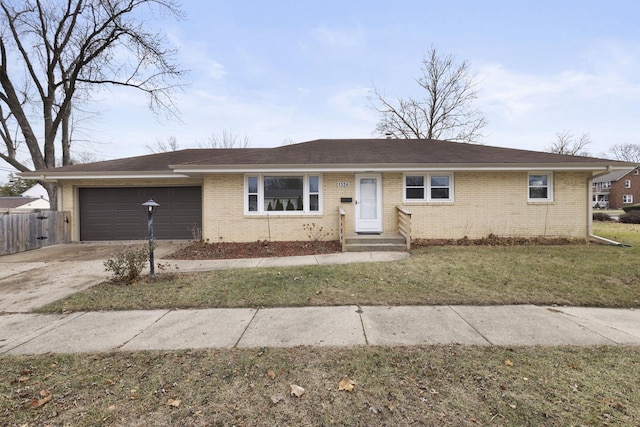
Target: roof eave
{"points": [[450, 167], [57, 176]]}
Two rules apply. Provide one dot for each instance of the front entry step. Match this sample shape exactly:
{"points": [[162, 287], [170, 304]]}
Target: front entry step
{"points": [[375, 242]]}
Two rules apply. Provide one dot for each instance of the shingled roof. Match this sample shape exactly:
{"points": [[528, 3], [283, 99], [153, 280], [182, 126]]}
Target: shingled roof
{"points": [[389, 151], [334, 153], [13, 202]]}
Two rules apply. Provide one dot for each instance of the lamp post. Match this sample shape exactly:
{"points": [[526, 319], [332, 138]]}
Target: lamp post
{"points": [[151, 206]]}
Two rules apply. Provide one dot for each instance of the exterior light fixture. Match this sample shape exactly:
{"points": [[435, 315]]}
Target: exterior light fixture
{"points": [[151, 206]]}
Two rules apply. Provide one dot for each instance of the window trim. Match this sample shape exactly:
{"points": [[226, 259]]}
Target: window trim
{"points": [[629, 197], [426, 176], [549, 187], [305, 194]]}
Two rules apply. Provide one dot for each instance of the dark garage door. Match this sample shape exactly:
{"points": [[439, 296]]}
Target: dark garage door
{"points": [[118, 214]]}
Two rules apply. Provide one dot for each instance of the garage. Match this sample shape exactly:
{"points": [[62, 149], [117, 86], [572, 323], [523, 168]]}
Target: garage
{"points": [[118, 214]]}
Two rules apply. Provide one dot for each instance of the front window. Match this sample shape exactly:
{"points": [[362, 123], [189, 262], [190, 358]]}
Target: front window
{"points": [[282, 193], [428, 187], [627, 183], [627, 198], [540, 187]]}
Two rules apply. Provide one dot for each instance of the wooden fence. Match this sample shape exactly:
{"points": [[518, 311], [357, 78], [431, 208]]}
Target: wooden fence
{"points": [[21, 232]]}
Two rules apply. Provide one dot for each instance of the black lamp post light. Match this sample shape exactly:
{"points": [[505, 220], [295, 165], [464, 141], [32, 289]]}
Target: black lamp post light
{"points": [[151, 206]]}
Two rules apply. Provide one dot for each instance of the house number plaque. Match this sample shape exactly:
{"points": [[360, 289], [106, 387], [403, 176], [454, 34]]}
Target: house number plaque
{"points": [[343, 184]]}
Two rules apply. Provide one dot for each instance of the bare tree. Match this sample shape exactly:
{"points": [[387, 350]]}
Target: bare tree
{"points": [[226, 139], [163, 146], [53, 54], [567, 143], [444, 110], [626, 152]]}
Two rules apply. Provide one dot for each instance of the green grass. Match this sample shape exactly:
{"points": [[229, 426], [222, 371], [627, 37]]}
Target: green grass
{"points": [[443, 385], [623, 233], [580, 275]]}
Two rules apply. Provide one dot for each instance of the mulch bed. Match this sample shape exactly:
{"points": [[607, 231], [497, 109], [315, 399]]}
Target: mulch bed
{"points": [[259, 249], [266, 249]]}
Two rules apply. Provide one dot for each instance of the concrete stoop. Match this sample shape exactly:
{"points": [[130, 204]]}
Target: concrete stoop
{"points": [[375, 242]]}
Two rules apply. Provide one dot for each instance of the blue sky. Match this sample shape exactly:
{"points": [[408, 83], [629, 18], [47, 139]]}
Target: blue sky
{"points": [[290, 71]]}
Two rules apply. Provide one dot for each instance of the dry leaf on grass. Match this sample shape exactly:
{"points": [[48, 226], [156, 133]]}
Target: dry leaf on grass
{"points": [[46, 397], [346, 384], [174, 402], [296, 390], [508, 362], [277, 397], [271, 374]]}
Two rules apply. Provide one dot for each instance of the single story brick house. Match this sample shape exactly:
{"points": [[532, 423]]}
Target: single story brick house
{"points": [[332, 187]]}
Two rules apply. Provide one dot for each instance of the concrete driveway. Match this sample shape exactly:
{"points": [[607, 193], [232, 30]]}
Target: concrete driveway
{"points": [[31, 279]]}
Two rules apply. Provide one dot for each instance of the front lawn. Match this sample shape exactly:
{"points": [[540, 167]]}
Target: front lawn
{"points": [[439, 385], [581, 275]]}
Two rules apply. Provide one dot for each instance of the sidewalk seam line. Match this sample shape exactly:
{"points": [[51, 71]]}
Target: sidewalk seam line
{"points": [[470, 325], [119, 347], [570, 317], [246, 328], [44, 330], [364, 331]]}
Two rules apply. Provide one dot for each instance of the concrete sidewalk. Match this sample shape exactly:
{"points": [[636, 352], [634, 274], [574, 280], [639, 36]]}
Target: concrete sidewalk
{"points": [[523, 325]]}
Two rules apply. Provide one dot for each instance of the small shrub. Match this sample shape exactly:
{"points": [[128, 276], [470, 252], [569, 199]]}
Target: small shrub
{"points": [[601, 216], [631, 217], [315, 232], [631, 208], [127, 265], [196, 233]]}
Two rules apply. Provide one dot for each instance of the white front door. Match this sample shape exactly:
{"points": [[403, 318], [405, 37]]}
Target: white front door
{"points": [[368, 203]]}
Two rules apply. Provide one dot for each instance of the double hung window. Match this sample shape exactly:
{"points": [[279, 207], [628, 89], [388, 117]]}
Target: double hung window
{"points": [[282, 193], [437, 187], [540, 187]]}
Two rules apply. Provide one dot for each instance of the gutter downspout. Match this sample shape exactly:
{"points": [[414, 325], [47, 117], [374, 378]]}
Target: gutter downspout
{"points": [[599, 239]]}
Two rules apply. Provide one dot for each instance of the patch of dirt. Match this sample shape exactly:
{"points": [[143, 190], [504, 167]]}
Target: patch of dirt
{"points": [[259, 249]]}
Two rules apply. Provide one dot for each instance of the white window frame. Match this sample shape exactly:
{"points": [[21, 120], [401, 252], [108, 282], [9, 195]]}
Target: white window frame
{"points": [[305, 191], [627, 183], [549, 186], [427, 187], [627, 198]]}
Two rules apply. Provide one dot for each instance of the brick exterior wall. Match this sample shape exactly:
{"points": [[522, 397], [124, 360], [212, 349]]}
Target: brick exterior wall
{"points": [[496, 203], [485, 203], [618, 190]]}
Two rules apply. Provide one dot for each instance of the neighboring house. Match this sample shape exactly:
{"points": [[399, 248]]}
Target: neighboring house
{"points": [[37, 192], [451, 189], [22, 204], [617, 189]]}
